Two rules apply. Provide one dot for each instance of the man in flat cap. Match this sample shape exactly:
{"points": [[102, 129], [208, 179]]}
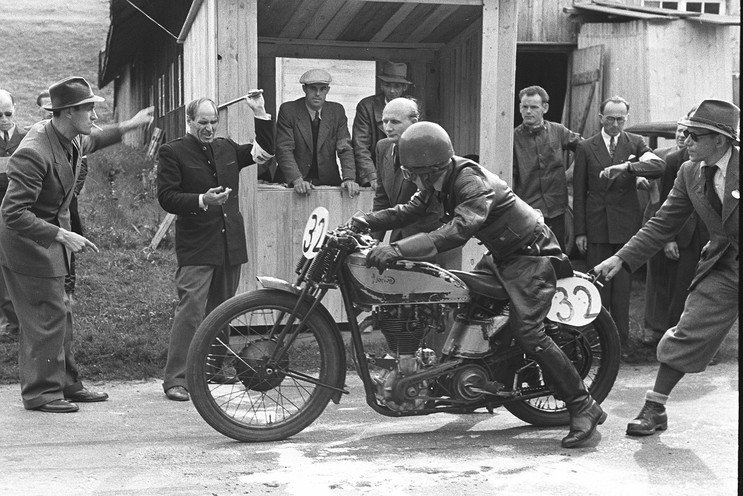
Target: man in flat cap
{"points": [[36, 241], [706, 184], [368, 128], [310, 132]]}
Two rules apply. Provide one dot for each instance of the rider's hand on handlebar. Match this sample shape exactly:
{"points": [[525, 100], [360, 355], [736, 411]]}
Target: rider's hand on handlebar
{"points": [[358, 225], [381, 256]]}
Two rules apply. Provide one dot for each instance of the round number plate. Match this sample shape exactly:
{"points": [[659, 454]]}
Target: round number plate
{"points": [[577, 302], [314, 232]]}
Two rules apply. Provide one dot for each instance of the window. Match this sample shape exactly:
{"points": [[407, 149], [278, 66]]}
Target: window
{"points": [[707, 7]]}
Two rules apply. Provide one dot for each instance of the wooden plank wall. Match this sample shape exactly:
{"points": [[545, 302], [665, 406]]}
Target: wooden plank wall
{"points": [[543, 21], [200, 55]]}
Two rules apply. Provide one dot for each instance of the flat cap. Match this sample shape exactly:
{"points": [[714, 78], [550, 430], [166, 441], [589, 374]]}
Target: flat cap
{"points": [[315, 76]]}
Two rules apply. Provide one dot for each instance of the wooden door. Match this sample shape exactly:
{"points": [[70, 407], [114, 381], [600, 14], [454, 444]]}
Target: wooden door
{"points": [[586, 90]]}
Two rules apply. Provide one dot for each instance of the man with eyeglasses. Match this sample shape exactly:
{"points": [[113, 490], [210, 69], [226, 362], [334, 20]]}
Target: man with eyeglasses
{"points": [[10, 137], [310, 132], [606, 209], [708, 184], [477, 203]]}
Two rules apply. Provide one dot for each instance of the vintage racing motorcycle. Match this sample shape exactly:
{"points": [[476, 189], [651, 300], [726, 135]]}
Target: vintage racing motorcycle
{"points": [[285, 358]]}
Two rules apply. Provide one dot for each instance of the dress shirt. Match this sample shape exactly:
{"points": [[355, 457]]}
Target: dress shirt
{"points": [[722, 166], [607, 140]]}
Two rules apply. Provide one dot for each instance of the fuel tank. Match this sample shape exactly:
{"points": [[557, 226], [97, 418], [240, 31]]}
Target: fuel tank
{"points": [[404, 282]]}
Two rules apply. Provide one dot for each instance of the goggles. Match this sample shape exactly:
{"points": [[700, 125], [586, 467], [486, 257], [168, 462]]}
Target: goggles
{"points": [[422, 172]]}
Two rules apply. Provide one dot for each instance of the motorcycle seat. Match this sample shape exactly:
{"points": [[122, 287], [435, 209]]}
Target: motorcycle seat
{"points": [[482, 282]]}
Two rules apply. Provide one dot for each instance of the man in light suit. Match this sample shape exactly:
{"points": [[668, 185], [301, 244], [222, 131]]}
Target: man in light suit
{"points": [[310, 132], [196, 179], [708, 185], [607, 212], [10, 137], [368, 128], [36, 242]]}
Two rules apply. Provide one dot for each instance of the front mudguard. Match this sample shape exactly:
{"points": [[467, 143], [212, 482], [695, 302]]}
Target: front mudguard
{"points": [[286, 287]]}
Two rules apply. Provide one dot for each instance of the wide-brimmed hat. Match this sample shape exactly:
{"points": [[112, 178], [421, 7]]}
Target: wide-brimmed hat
{"points": [[70, 92], [315, 76], [394, 72], [716, 115]]}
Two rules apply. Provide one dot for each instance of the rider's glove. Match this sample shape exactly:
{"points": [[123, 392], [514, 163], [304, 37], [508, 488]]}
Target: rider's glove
{"points": [[358, 225], [381, 256]]}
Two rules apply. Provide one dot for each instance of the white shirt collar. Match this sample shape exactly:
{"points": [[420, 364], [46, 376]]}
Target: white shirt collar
{"points": [[722, 164], [312, 112], [607, 138], [11, 131]]}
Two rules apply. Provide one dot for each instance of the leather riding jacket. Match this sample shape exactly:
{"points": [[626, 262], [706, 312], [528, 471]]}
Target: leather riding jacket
{"points": [[477, 203]]}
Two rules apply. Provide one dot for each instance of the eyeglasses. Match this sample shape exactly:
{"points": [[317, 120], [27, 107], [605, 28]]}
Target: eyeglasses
{"points": [[618, 120], [6, 114], [694, 136]]}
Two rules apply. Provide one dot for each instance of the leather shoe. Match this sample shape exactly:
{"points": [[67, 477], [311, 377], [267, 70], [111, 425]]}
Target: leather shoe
{"points": [[86, 396], [58, 406], [177, 393], [583, 424], [651, 418], [223, 378]]}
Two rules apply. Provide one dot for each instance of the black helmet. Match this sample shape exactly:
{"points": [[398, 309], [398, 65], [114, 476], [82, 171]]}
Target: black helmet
{"points": [[424, 144]]}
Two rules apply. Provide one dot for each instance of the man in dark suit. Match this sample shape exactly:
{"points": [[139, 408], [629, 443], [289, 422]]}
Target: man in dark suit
{"points": [[368, 127], [310, 132], [36, 241], [607, 212], [10, 137], [196, 176], [708, 185]]}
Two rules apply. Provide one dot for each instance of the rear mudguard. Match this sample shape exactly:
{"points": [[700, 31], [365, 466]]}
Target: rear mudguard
{"points": [[286, 287]]}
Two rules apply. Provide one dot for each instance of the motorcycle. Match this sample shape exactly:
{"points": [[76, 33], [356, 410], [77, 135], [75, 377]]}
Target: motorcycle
{"points": [[285, 357]]}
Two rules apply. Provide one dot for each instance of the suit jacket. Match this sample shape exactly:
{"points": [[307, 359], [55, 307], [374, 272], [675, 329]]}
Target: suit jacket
{"points": [[41, 185], [6, 150], [687, 196], [393, 189], [367, 131], [607, 210], [188, 168], [294, 143], [673, 164]]}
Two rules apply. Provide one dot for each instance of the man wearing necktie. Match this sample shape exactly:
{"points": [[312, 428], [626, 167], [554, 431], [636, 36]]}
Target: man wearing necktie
{"points": [[708, 185], [310, 132], [36, 242], [606, 209], [10, 137]]}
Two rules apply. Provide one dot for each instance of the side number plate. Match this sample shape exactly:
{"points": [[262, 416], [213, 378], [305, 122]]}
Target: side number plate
{"points": [[577, 302], [314, 232]]}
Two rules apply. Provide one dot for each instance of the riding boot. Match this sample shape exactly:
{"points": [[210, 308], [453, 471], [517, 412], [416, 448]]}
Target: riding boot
{"points": [[585, 413]]}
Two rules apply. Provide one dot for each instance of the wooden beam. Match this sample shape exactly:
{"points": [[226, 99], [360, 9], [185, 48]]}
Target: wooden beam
{"points": [[447, 2], [321, 19], [341, 20], [402, 13], [497, 87], [425, 28], [300, 19], [265, 41]]}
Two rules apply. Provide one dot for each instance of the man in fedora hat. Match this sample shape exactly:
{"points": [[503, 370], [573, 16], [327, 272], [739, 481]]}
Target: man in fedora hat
{"points": [[367, 125], [310, 132], [36, 241], [708, 185]]}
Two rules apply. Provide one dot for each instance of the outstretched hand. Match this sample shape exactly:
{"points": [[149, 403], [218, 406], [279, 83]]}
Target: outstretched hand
{"points": [[609, 267], [256, 102]]}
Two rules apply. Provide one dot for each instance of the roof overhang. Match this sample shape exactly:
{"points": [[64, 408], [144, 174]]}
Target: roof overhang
{"points": [[605, 11]]}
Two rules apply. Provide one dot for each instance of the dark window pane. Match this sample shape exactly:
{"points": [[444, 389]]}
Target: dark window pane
{"points": [[712, 8], [671, 5], [693, 6]]}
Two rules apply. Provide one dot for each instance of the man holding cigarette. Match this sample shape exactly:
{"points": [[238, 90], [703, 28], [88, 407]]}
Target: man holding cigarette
{"points": [[196, 177], [36, 241]]}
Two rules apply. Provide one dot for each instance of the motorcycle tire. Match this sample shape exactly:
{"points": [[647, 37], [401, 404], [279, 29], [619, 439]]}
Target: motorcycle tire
{"points": [[268, 401], [603, 339]]}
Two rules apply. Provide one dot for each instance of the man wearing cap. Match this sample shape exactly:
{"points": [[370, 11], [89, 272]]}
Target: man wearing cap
{"points": [[310, 132], [605, 205], [478, 203], [36, 241], [708, 185], [198, 179], [368, 127]]}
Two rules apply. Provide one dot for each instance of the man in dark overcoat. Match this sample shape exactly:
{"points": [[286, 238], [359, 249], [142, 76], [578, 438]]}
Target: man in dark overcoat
{"points": [[708, 185], [198, 180], [606, 209], [36, 241]]}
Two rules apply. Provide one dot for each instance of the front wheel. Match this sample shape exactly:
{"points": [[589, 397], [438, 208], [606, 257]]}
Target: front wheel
{"points": [[250, 383], [594, 349]]}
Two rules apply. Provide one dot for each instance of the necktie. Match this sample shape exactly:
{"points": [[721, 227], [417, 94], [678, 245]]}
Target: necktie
{"points": [[6, 137], [313, 172], [612, 146], [709, 188]]}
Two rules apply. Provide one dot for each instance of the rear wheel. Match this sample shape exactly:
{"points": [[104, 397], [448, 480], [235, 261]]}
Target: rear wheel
{"points": [[249, 386], [594, 350]]}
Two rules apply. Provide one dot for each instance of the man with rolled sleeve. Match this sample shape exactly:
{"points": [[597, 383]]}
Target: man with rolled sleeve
{"points": [[310, 132], [36, 241], [708, 185], [196, 178]]}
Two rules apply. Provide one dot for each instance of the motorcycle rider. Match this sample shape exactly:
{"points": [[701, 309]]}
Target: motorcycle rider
{"points": [[478, 203]]}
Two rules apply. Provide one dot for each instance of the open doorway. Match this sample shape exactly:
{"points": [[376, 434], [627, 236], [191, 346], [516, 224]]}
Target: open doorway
{"points": [[548, 68]]}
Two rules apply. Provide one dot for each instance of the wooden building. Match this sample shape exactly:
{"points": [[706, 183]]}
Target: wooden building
{"points": [[467, 59]]}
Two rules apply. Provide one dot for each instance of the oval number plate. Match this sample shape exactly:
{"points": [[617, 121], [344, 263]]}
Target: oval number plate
{"points": [[314, 232], [577, 302]]}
